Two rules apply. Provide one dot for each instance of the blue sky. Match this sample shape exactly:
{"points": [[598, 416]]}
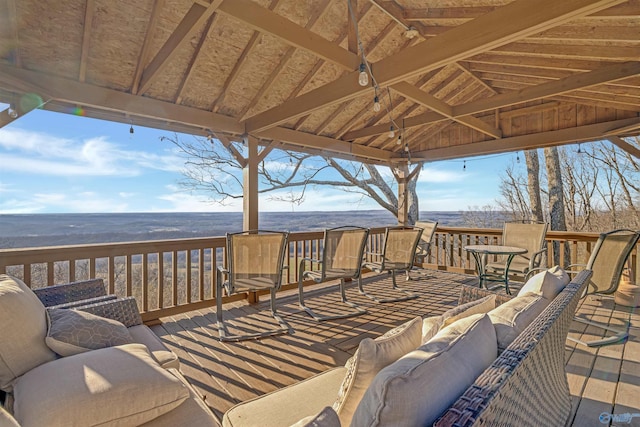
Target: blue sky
{"points": [[61, 163]]}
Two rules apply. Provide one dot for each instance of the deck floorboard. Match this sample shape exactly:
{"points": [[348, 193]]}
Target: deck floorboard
{"points": [[604, 379]]}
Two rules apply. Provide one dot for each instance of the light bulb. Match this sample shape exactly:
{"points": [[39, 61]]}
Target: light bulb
{"points": [[391, 132], [376, 104], [13, 113], [131, 129], [399, 141], [406, 148], [363, 78]]}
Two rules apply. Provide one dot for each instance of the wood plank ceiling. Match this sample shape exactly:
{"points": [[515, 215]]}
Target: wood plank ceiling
{"points": [[454, 78]]}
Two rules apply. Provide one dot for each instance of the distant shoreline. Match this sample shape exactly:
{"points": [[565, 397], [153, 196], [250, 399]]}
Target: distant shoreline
{"points": [[31, 230]]}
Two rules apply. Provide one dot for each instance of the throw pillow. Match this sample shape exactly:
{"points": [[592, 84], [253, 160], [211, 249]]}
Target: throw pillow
{"points": [[480, 306], [6, 420], [548, 283], [72, 332], [512, 317], [430, 327], [24, 326], [326, 418], [116, 386], [369, 359], [437, 373]]}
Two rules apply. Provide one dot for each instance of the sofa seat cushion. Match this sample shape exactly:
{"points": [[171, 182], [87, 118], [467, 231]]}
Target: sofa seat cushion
{"points": [[193, 412], [301, 399], [72, 332], [371, 356], [548, 283], [117, 386], [165, 357], [6, 420], [512, 317], [24, 327], [421, 385]]}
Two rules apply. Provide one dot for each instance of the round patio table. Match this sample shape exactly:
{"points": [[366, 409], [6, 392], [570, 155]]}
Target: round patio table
{"points": [[480, 252]]}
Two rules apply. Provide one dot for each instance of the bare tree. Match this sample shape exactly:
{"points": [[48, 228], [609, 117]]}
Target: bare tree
{"points": [[533, 184], [212, 169]]}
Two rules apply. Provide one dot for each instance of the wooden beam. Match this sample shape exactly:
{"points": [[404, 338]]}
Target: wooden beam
{"points": [[193, 20], [529, 110], [86, 36], [572, 135], [411, 92], [108, 99], [266, 21], [456, 44], [144, 53], [624, 130], [11, 21], [624, 145], [329, 145], [250, 186], [229, 146]]}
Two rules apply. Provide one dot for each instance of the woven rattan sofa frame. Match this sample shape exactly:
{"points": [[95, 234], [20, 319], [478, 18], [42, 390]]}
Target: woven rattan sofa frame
{"points": [[527, 384]]}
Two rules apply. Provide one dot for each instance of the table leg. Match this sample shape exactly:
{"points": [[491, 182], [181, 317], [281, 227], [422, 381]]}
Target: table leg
{"points": [[480, 267], [506, 273]]}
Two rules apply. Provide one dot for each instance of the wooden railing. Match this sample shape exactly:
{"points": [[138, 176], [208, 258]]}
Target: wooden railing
{"points": [[168, 277]]}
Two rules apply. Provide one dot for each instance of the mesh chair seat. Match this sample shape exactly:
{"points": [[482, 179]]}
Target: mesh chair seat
{"points": [[398, 254], [531, 237], [341, 259], [255, 260]]}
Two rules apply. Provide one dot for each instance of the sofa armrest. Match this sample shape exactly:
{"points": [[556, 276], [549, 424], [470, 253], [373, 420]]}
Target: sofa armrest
{"points": [[70, 292], [84, 302], [472, 293], [124, 310]]}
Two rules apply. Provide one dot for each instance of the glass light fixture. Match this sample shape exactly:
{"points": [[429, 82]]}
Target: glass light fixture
{"points": [[13, 113], [363, 78], [399, 141], [376, 104], [391, 132], [406, 147]]}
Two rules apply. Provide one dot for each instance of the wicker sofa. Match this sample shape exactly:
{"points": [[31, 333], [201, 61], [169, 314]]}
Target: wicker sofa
{"points": [[137, 382], [525, 385]]}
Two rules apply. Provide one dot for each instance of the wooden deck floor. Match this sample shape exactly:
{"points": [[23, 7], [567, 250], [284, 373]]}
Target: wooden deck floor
{"points": [[601, 380]]}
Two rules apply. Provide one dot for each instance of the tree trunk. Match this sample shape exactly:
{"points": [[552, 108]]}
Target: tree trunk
{"points": [[533, 184], [556, 199]]}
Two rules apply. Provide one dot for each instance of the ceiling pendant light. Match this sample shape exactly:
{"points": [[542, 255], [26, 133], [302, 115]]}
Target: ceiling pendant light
{"points": [[376, 104], [363, 77], [392, 133]]}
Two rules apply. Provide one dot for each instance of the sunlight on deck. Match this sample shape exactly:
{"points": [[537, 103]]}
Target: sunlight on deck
{"points": [[600, 380]]}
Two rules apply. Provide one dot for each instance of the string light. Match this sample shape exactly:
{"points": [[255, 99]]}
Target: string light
{"points": [[399, 141], [392, 132], [376, 104], [464, 166], [518, 157], [131, 129], [579, 148], [363, 77], [13, 113]]}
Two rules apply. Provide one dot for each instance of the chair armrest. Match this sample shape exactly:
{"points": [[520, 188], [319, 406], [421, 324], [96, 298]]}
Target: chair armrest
{"points": [[473, 293], [71, 292], [124, 310]]}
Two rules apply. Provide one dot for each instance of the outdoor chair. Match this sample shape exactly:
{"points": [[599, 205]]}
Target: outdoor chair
{"points": [[398, 254], [255, 260], [341, 259], [423, 251], [522, 235], [607, 261]]}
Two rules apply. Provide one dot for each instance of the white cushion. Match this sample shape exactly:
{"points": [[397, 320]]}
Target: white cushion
{"points": [[479, 306], [369, 359], [6, 420], [72, 332], [24, 326], [548, 283], [421, 385], [430, 327], [512, 317], [326, 418], [119, 386], [144, 335]]}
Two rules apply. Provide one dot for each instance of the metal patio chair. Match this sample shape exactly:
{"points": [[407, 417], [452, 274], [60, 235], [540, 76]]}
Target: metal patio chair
{"points": [[341, 259], [255, 260], [607, 261], [423, 250], [398, 254], [530, 236]]}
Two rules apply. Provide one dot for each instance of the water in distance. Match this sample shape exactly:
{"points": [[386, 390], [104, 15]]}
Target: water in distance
{"points": [[33, 230]]}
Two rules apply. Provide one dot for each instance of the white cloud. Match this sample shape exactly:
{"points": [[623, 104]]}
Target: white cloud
{"points": [[43, 154], [433, 175]]}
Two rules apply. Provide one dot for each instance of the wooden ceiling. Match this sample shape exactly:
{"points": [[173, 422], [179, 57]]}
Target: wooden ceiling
{"points": [[458, 77]]}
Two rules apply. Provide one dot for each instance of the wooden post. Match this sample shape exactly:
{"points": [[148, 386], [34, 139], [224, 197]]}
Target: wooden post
{"points": [[250, 183], [402, 173]]}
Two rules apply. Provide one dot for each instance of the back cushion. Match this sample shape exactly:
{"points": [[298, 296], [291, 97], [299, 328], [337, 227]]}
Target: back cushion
{"points": [[512, 317], [24, 327], [421, 385], [548, 283]]}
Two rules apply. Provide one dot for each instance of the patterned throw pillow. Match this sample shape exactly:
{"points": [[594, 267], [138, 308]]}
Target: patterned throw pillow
{"points": [[72, 332], [369, 359]]}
